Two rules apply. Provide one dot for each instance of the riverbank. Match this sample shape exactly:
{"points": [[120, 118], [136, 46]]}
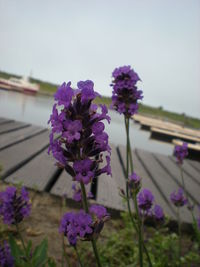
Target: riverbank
{"points": [[48, 89]]}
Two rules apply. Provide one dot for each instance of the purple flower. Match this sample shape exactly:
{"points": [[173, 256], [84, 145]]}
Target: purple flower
{"points": [[72, 130], [75, 225], [98, 128], [125, 94], [158, 213], [134, 181], [99, 211], [181, 152], [145, 199], [56, 120], [57, 150], [87, 91], [64, 94], [83, 141], [6, 259], [178, 198], [83, 170], [106, 169], [13, 206]]}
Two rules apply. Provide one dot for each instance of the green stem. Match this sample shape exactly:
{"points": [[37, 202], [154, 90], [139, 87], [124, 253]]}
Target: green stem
{"points": [[128, 150], [135, 200], [85, 206], [22, 240], [65, 254], [179, 231], [195, 226], [84, 198], [78, 256]]}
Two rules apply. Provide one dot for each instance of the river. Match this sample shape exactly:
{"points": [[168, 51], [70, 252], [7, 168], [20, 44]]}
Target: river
{"points": [[37, 109]]}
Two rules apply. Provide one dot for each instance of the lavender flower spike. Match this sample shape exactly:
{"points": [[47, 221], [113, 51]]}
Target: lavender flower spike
{"points": [[134, 182], [125, 94], [82, 141], [75, 225], [178, 198], [181, 152], [6, 259], [99, 211], [158, 213], [13, 206], [145, 200]]}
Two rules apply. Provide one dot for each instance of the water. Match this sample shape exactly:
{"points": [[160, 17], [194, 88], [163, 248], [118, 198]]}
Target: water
{"points": [[37, 109]]}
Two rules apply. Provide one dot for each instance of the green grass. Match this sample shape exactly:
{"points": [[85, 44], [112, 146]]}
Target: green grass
{"points": [[158, 112]]}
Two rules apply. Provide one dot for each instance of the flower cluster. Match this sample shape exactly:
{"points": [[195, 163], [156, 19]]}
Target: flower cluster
{"points": [[13, 206], [125, 93], [6, 259], [145, 199], [134, 182], [80, 140], [81, 225], [99, 211], [178, 198], [181, 152], [145, 203]]}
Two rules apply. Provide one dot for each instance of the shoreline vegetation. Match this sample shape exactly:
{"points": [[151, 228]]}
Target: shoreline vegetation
{"points": [[48, 89]]}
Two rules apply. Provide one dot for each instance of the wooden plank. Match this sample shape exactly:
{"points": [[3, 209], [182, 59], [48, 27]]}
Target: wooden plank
{"points": [[163, 180], [15, 137], [37, 173], [63, 186], [195, 164], [189, 170], [108, 187], [192, 188], [4, 121], [174, 134], [166, 125], [147, 181], [14, 157], [189, 145], [14, 126]]}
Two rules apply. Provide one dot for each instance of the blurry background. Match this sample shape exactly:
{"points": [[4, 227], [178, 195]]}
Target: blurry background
{"points": [[61, 40]]}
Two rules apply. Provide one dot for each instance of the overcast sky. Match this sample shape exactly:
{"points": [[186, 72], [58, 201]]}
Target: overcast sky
{"points": [[77, 40]]}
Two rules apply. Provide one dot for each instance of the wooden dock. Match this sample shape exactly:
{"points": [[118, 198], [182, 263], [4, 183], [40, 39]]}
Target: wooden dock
{"points": [[168, 131], [24, 158]]}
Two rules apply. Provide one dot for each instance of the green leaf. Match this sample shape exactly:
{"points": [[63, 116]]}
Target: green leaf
{"points": [[51, 263], [40, 254], [16, 252]]}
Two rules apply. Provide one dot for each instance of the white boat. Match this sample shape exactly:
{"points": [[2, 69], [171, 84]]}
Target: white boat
{"points": [[19, 84]]}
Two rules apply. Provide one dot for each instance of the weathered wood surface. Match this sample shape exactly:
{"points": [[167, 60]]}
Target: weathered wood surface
{"points": [[148, 182], [173, 134], [3, 121], [163, 180], [189, 171], [23, 155], [63, 186], [170, 166], [166, 125], [14, 137], [17, 155], [37, 173], [108, 188], [14, 126], [194, 164]]}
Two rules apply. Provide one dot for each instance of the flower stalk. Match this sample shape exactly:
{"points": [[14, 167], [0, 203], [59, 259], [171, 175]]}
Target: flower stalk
{"points": [[86, 208], [139, 230]]}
